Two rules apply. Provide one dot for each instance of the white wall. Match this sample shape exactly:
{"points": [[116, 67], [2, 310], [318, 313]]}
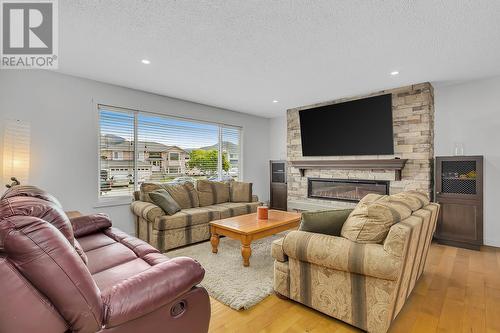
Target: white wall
{"points": [[469, 113], [64, 133], [277, 137]]}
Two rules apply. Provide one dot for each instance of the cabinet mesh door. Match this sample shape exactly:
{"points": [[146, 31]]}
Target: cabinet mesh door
{"points": [[459, 177]]}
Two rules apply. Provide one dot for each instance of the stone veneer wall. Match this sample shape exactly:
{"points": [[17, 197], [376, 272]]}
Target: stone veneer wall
{"points": [[413, 121]]}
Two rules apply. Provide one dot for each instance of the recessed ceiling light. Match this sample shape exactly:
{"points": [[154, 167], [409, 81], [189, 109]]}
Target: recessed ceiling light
{"points": [[394, 73], [275, 101], [145, 61]]}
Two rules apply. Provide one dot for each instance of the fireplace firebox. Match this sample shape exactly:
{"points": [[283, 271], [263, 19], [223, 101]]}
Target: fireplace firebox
{"points": [[344, 189]]}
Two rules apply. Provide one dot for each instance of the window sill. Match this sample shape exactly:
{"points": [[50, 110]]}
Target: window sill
{"points": [[110, 202]]}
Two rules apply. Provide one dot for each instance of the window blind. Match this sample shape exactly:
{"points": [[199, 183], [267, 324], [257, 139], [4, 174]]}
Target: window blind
{"points": [[177, 150], [116, 152], [231, 152], [168, 150]]}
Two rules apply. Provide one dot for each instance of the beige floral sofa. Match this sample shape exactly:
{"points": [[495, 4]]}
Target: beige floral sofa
{"points": [[201, 203], [348, 277]]}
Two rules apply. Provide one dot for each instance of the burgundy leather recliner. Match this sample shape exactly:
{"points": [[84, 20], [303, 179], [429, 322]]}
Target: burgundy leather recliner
{"points": [[81, 275]]}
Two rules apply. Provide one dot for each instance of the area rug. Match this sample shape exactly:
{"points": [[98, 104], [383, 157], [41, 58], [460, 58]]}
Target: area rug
{"points": [[225, 277]]}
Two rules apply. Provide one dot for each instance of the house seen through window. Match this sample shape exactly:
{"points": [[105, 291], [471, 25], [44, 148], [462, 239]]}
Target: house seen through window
{"points": [[168, 149]]}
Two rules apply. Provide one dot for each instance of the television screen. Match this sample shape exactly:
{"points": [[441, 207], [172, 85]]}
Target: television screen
{"points": [[359, 127]]}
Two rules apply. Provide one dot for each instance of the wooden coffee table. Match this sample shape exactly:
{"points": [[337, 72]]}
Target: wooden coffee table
{"points": [[247, 228]]}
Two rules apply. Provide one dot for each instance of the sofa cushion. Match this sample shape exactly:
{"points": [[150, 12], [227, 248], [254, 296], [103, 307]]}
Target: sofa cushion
{"points": [[369, 198], [184, 194], [211, 193], [146, 188], [94, 241], [240, 208], [109, 277], [223, 211], [421, 196], [164, 200], [185, 218], [411, 201], [327, 222], [240, 192], [108, 256], [370, 222]]}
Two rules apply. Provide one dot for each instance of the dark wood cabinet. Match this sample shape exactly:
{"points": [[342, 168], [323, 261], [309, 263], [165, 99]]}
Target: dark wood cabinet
{"points": [[459, 191], [278, 176]]}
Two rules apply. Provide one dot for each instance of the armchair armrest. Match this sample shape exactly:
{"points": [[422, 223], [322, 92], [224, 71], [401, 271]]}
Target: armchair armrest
{"points": [[342, 254], [150, 290], [277, 250], [89, 224], [147, 210], [255, 198]]}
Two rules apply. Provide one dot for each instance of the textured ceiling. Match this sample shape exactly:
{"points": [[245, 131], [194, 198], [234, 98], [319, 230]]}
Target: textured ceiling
{"points": [[242, 55]]}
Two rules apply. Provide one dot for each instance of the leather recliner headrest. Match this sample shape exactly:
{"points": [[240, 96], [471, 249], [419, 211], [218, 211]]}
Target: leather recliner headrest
{"points": [[30, 191], [32, 201]]}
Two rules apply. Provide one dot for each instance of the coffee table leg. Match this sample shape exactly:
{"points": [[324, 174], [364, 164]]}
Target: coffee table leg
{"points": [[246, 252], [214, 240]]}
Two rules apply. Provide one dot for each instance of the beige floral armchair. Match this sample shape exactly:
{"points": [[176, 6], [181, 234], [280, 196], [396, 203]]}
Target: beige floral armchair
{"points": [[365, 285]]}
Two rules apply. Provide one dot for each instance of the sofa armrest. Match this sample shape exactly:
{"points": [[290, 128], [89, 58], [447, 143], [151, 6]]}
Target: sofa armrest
{"points": [[147, 210], [342, 254], [150, 290], [89, 224], [255, 198], [277, 250]]}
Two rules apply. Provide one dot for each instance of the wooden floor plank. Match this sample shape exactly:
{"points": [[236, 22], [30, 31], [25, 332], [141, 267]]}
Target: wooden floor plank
{"points": [[458, 292]]}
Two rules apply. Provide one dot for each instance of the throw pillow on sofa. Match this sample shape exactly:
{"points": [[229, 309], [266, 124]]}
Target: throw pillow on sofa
{"points": [[164, 200], [211, 193], [370, 222], [240, 192], [327, 222]]}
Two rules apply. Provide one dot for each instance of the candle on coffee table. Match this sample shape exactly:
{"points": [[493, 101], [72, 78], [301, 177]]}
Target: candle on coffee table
{"points": [[262, 213]]}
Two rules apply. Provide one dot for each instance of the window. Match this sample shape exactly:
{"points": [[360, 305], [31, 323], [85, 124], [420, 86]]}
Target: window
{"points": [[167, 150], [152, 154], [174, 170], [174, 156], [118, 155]]}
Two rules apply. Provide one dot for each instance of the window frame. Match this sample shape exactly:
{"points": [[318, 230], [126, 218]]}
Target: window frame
{"points": [[170, 153], [126, 199]]}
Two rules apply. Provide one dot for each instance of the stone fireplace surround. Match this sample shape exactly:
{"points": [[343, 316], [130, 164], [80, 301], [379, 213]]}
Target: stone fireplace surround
{"points": [[413, 126]]}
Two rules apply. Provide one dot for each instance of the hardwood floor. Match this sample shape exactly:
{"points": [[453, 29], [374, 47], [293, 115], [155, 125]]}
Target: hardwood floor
{"points": [[458, 292]]}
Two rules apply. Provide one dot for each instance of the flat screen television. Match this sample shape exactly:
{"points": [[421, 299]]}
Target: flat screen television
{"points": [[359, 127]]}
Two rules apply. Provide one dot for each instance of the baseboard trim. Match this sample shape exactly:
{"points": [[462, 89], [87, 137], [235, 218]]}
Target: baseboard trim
{"points": [[459, 244], [492, 243]]}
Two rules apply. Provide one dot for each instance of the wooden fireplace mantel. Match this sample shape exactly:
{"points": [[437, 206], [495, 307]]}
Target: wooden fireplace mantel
{"points": [[395, 164]]}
